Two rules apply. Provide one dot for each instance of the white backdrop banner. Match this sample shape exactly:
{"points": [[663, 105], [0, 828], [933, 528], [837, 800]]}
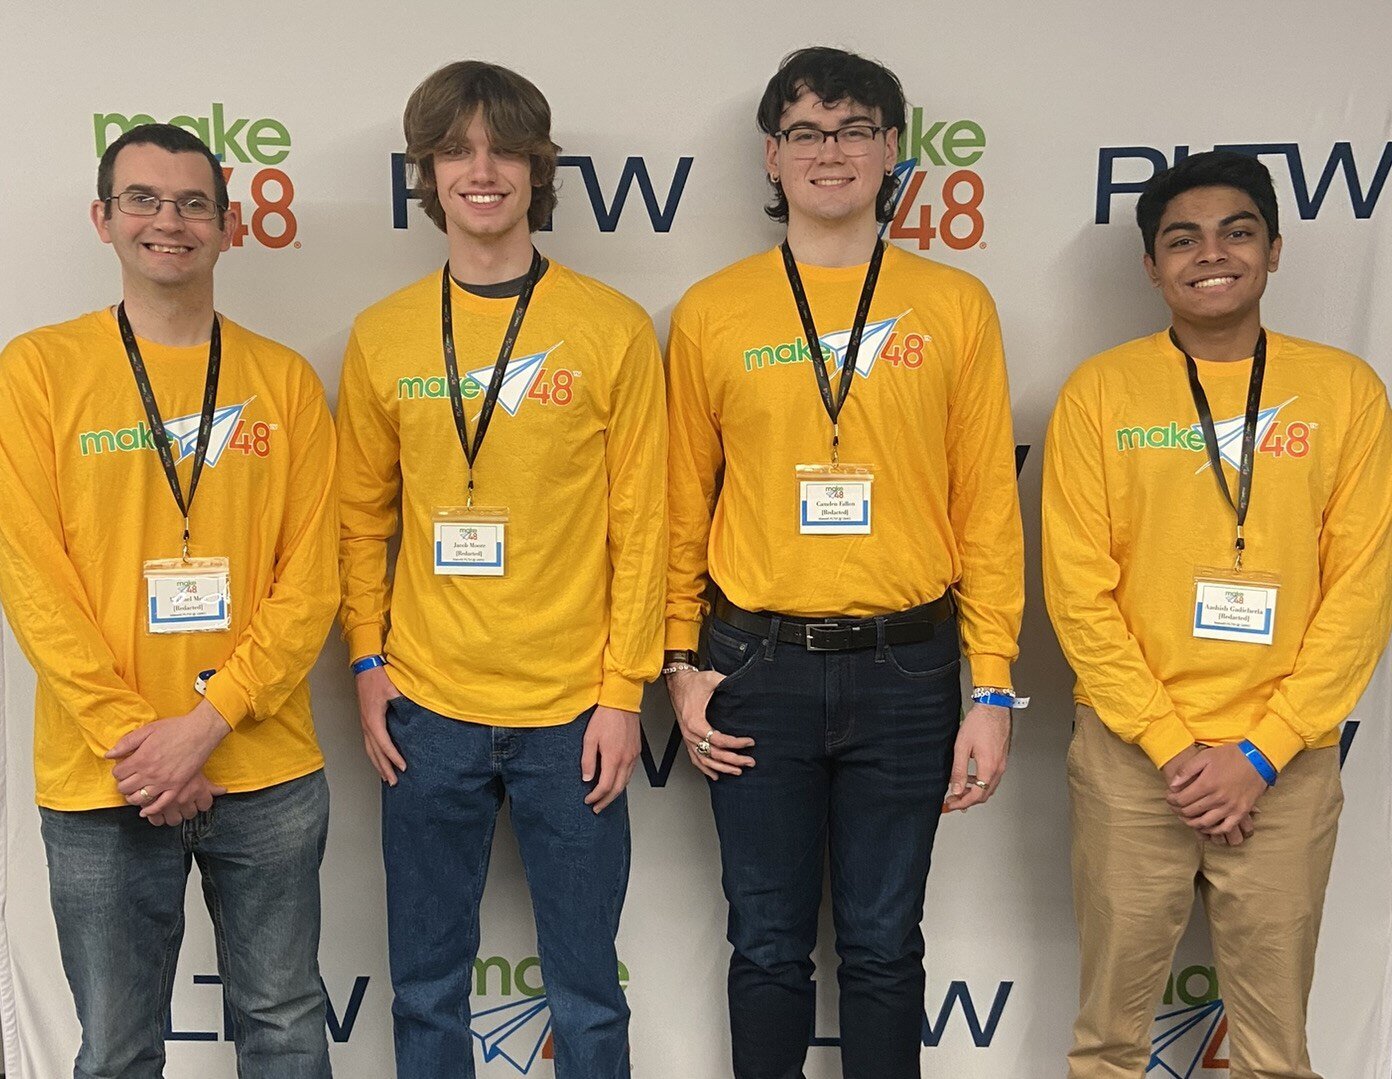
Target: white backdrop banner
{"points": [[1030, 131]]}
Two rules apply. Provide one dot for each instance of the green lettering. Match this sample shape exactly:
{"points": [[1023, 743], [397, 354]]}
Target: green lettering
{"points": [[921, 142], [804, 351], [268, 141], [104, 122], [1130, 438], [963, 143], [520, 971], [468, 389], [410, 388], [225, 138], [96, 442], [785, 354], [481, 969], [1168, 998], [1156, 436], [128, 438], [1210, 981], [198, 125], [758, 357]]}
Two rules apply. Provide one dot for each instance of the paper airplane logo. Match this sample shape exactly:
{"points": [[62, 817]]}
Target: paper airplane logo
{"points": [[1229, 434], [184, 431], [872, 340], [1188, 1043], [514, 1032], [518, 379], [902, 172]]}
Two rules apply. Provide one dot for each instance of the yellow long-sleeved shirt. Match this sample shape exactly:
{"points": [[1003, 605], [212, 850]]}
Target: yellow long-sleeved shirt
{"points": [[574, 452], [86, 504], [1131, 511], [930, 410]]}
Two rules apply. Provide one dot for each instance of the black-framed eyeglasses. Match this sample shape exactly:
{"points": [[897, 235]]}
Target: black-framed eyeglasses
{"points": [[144, 204], [855, 140]]}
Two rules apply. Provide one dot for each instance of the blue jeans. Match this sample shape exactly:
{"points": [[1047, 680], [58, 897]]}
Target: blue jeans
{"points": [[437, 834], [117, 886], [854, 753]]}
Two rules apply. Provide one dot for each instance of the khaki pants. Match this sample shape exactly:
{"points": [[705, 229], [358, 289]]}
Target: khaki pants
{"points": [[1135, 869]]}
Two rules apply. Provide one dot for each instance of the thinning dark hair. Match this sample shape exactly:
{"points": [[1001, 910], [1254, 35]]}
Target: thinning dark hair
{"points": [[834, 75], [1214, 168], [169, 137], [515, 112]]}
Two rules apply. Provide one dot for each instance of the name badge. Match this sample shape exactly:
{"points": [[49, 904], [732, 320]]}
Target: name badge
{"points": [[1235, 607], [834, 500], [188, 597], [470, 542]]}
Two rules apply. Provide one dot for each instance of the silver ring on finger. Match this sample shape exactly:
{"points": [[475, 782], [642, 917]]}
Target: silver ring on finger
{"points": [[708, 735], [703, 747], [981, 783]]}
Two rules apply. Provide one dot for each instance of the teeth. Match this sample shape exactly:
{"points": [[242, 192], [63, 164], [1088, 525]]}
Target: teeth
{"points": [[837, 182], [1214, 282], [483, 199], [166, 250]]}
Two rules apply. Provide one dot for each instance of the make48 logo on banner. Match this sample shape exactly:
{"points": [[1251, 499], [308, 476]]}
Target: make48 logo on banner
{"points": [[939, 197], [261, 145]]}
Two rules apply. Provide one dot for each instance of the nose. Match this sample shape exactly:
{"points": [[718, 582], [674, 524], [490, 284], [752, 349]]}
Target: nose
{"points": [[167, 217], [483, 165], [1211, 249], [830, 150]]}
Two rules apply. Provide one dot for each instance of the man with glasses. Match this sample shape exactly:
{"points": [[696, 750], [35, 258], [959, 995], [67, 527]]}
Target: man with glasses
{"points": [[172, 613], [506, 414], [854, 398]]}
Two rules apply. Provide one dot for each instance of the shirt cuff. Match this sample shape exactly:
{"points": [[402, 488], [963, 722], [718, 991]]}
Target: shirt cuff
{"points": [[1277, 740], [365, 640], [224, 695], [989, 670], [621, 692], [1165, 739], [682, 635]]}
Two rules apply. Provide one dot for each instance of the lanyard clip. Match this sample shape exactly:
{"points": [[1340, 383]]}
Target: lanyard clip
{"points": [[835, 443], [469, 493], [1239, 546], [186, 540]]}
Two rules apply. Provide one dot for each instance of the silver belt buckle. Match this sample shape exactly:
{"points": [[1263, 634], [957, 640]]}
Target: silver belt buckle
{"points": [[807, 631]]}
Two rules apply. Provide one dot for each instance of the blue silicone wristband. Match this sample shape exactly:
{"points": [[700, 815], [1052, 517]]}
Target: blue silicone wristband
{"points": [[1000, 700], [1259, 762], [367, 663]]}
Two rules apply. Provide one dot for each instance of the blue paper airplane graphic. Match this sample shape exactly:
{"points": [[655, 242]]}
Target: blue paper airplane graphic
{"points": [[902, 172], [1181, 1039], [521, 375], [515, 1032], [184, 431], [1229, 434], [872, 340]]}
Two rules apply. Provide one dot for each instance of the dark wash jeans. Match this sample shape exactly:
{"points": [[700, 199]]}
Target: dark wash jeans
{"points": [[854, 751], [437, 833], [117, 884]]}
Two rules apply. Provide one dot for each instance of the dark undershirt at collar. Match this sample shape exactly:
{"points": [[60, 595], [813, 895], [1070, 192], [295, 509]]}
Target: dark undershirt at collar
{"points": [[502, 289]]}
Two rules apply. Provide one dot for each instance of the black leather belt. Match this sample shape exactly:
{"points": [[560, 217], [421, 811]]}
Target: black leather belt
{"points": [[842, 634]]}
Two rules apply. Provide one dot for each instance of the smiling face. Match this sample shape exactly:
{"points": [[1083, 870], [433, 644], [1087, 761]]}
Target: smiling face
{"points": [[165, 250], [832, 187], [484, 191], [1212, 256]]}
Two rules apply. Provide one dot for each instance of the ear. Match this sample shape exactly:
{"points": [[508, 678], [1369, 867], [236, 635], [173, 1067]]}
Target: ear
{"points": [[1151, 271], [99, 220], [1274, 258], [771, 155], [231, 223], [891, 149]]}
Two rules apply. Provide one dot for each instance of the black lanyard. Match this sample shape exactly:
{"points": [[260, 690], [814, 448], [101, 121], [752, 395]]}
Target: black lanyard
{"points": [[834, 405], [1249, 435], [152, 414], [495, 384]]}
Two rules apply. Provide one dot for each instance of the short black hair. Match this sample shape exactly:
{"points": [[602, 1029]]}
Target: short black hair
{"points": [[169, 137], [1215, 168], [834, 75]]}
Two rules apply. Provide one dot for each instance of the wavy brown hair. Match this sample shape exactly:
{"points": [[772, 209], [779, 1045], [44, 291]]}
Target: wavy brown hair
{"points": [[515, 112]]}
